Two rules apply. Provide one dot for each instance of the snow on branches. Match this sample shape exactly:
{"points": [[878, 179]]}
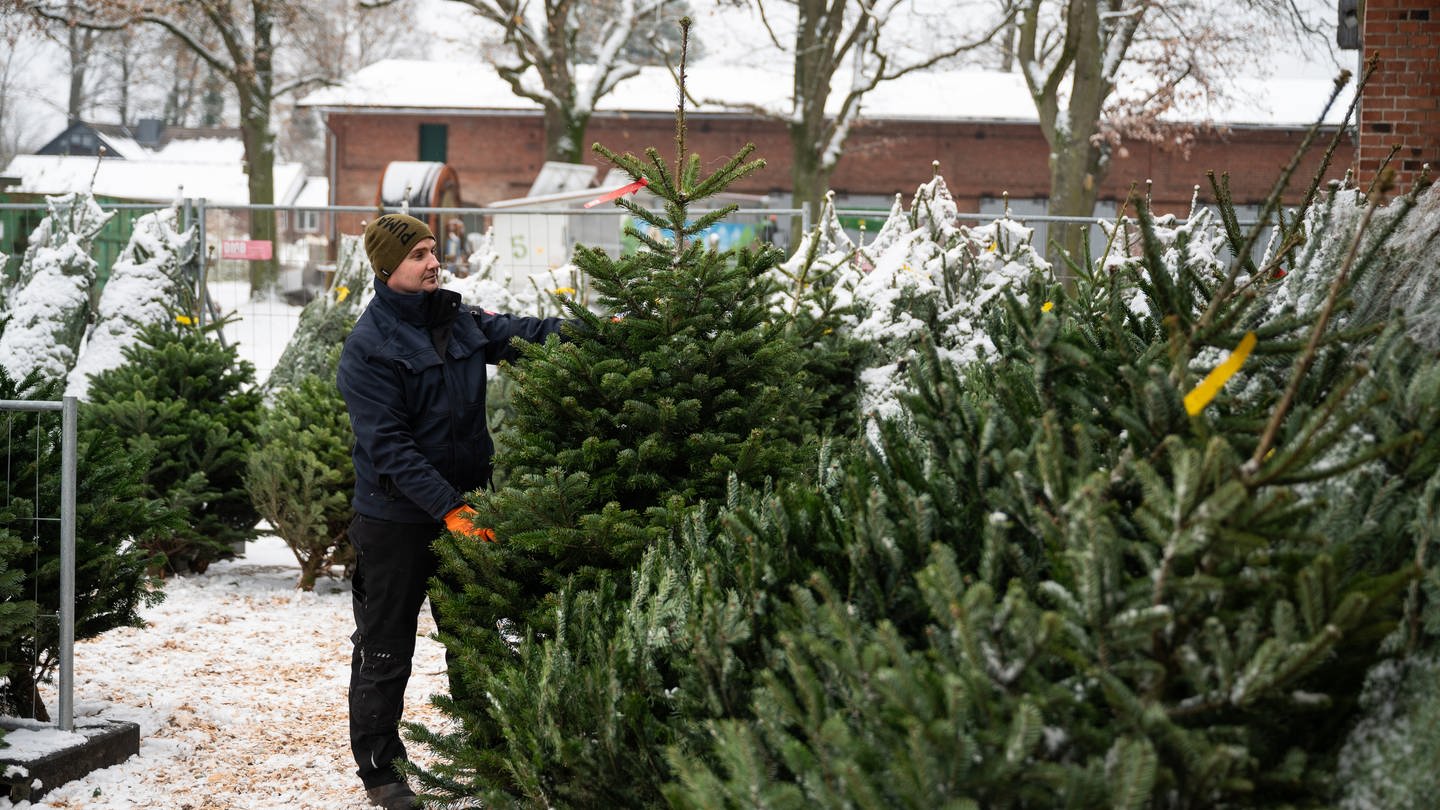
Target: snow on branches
{"points": [[49, 304], [144, 287], [925, 277]]}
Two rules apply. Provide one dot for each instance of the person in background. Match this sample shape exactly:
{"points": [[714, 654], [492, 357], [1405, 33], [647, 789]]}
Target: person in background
{"points": [[455, 252], [413, 376]]}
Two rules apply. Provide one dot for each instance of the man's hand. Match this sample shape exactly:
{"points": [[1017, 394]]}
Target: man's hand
{"points": [[461, 520]]}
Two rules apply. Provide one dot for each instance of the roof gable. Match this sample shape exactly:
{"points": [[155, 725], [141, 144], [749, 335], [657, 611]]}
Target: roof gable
{"points": [[85, 138]]}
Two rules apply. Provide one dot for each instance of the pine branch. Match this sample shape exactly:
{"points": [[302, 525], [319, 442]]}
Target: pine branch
{"points": [[1272, 203], [1302, 364]]}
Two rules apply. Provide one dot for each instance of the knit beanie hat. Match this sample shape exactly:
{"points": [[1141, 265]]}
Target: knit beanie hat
{"points": [[389, 238]]}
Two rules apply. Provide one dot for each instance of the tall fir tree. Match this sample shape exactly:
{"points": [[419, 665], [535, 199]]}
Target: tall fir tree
{"points": [[326, 320], [681, 384], [299, 473], [115, 522], [190, 405], [48, 306], [152, 278]]}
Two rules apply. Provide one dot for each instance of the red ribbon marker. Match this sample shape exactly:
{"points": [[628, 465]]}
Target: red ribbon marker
{"points": [[619, 192]]}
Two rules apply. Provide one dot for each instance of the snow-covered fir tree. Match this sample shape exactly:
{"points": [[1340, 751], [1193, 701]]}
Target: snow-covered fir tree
{"points": [[925, 278], [48, 306], [327, 319], [150, 282]]}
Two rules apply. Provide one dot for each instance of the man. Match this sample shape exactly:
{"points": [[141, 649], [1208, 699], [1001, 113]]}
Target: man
{"points": [[413, 376], [455, 256]]}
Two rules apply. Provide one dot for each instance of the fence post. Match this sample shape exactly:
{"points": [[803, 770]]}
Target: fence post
{"points": [[69, 412], [203, 292], [805, 217]]}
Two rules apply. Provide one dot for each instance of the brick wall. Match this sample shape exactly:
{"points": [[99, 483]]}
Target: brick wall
{"points": [[1401, 105], [497, 157]]}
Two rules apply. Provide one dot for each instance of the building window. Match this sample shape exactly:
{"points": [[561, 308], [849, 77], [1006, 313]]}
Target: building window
{"points": [[433, 139], [307, 221]]}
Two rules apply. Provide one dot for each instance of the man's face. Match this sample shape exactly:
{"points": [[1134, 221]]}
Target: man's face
{"points": [[420, 271]]}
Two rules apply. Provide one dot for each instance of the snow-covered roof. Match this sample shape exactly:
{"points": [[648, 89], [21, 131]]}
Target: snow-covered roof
{"points": [[202, 150], [148, 179], [314, 194], [400, 85], [123, 146]]}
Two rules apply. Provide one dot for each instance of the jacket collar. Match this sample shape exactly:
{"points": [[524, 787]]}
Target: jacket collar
{"points": [[422, 308]]}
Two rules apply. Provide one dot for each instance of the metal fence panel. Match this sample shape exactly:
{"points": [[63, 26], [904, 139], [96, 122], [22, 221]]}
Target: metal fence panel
{"points": [[65, 611]]}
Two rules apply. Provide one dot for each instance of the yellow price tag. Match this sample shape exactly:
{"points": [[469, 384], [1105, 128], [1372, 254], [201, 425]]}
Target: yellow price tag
{"points": [[341, 293], [184, 319], [1200, 396], [1047, 306]]}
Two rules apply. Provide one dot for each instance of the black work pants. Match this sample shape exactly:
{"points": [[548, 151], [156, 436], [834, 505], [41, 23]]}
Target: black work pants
{"points": [[393, 566]]}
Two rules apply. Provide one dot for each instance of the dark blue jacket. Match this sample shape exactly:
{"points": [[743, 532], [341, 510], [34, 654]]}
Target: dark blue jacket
{"points": [[421, 439]]}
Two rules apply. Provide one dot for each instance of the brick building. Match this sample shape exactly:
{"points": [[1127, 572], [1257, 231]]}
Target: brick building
{"points": [[979, 126], [1400, 109]]}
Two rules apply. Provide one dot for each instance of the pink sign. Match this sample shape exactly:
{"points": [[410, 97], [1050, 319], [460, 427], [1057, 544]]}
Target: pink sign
{"points": [[252, 249]]}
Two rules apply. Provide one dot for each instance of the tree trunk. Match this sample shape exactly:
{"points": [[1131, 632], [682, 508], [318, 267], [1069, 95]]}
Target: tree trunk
{"points": [[126, 66], [25, 693], [260, 165], [80, 41], [809, 178], [818, 25], [256, 101], [310, 568], [1008, 39], [565, 124], [1077, 161], [1075, 176], [565, 135]]}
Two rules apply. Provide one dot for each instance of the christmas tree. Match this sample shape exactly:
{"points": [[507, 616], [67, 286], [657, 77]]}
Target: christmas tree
{"points": [[150, 281], [681, 385], [48, 307], [326, 320], [190, 405], [1088, 572], [299, 473], [115, 521]]}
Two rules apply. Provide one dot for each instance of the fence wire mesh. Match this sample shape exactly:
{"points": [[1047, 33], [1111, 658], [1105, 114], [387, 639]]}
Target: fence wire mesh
{"points": [[259, 299]]}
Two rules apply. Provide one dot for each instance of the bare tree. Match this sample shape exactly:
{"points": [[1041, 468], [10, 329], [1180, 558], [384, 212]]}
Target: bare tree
{"points": [[565, 55], [123, 61], [133, 69], [1075, 53], [340, 37], [79, 47], [249, 35], [183, 88], [856, 41], [18, 41]]}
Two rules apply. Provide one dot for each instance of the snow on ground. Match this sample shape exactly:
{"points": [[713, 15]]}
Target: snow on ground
{"points": [[239, 682], [238, 685]]}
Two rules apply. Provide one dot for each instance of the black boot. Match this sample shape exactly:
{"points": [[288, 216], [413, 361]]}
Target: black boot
{"points": [[393, 796]]}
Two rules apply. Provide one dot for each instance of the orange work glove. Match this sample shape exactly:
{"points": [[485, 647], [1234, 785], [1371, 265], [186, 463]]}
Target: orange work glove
{"points": [[461, 520]]}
